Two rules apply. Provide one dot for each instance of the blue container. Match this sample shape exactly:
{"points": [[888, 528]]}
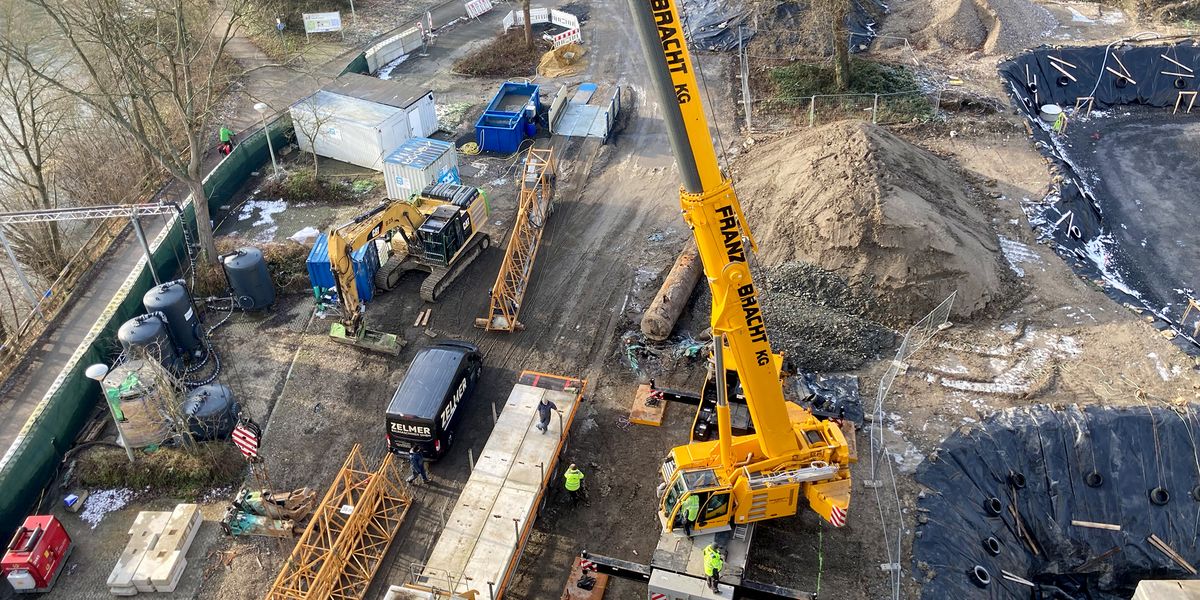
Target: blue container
{"points": [[500, 132], [366, 263], [506, 121], [515, 98]]}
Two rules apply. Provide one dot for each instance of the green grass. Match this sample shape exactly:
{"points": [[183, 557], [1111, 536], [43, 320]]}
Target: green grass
{"points": [[794, 84], [166, 471]]}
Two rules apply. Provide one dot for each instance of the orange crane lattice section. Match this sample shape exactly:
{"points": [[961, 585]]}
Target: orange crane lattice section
{"points": [[349, 534], [534, 203]]}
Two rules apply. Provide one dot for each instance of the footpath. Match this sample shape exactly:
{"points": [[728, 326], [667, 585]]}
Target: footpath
{"points": [[278, 86]]}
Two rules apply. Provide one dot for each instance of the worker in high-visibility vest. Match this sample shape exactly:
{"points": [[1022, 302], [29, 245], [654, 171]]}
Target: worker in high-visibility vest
{"points": [[573, 481], [691, 511], [713, 563]]}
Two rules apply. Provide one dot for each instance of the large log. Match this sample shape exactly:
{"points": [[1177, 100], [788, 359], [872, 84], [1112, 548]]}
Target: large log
{"points": [[659, 320]]}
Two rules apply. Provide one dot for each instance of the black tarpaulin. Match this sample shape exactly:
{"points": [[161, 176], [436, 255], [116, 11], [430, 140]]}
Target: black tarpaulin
{"points": [[1071, 215], [1052, 454]]}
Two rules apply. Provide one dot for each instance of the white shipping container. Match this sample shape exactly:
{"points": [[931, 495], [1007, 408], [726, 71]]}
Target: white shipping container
{"points": [[418, 163], [348, 129]]}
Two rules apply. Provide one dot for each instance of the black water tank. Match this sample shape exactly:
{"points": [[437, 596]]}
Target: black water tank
{"points": [[148, 336], [173, 300], [246, 270], [211, 412]]}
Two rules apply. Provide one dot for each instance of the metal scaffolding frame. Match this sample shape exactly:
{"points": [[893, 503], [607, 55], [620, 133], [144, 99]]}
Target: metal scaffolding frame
{"points": [[344, 544], [534, 200], [130, 211]]}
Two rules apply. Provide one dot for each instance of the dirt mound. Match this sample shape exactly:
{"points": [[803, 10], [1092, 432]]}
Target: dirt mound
{"points": [[891, 218], [993, 26]]}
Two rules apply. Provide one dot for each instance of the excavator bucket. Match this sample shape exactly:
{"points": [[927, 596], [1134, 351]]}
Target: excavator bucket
{"points": [[367, 339]]}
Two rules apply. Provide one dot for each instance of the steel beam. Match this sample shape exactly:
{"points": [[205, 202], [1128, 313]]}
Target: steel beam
{"points": [[93, 212]]}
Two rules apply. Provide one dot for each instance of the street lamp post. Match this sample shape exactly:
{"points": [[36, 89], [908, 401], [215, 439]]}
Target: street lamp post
{"points": [[262, 115]]}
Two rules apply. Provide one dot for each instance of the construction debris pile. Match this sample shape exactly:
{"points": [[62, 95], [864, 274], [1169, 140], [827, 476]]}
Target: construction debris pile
{"points": [[891, 218], [818, 320]]}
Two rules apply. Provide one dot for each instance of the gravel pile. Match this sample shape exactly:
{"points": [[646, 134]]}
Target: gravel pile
{"points": [[815, 318]]}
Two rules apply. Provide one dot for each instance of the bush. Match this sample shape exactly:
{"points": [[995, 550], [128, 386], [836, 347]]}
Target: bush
{"points": [[866, 77], [286, 262], [505, 56], [793, 84], [302, 185], [166, 471]]}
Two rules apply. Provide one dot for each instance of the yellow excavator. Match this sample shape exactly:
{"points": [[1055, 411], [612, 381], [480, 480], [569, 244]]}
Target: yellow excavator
{"points": [[791, 454], [436, 231]]}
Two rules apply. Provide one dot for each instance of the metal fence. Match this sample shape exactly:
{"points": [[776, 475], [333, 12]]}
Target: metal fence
{"points": [[890, 511], [810, 111], [765, 113]]}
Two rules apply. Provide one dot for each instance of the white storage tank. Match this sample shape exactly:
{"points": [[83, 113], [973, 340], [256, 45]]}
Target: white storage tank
{"points": [[351, 130], [418, 163]]}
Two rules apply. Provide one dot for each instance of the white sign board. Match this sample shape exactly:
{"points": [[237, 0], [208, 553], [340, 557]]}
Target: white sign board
{"points": [[477, 7], [322, 22]]}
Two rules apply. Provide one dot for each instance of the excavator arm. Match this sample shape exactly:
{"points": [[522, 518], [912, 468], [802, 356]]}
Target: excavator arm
{"points": [[393, 216]]}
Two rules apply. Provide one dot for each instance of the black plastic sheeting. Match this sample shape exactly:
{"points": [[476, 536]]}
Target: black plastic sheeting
{"points": [[1051, 452], [831, 396], [1072, 214]]}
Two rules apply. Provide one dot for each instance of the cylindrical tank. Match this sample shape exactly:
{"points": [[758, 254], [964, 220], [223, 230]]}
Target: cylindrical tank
{"points": [[211, 412], [148, 336], [173, 300], [246, 270], [659, 320]]}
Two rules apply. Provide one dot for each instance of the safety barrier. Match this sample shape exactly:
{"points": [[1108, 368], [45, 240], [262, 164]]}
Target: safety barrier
{"points": [[561, 18], [33, 458], [394, 46]]}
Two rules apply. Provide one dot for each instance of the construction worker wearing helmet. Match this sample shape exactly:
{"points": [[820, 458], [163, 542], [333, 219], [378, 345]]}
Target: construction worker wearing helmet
{"points": [[573, 481], [713, 563]]}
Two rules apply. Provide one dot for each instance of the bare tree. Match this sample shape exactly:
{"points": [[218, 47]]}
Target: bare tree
{"points": [[154, 67], [33, 116], [311, 124], [528, 23]]}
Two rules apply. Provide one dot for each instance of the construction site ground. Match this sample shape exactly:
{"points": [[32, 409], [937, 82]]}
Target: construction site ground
{"points": [[1056, 338]]}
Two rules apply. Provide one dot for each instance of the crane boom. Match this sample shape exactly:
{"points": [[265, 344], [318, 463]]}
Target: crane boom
{"points": [[791, 453], [711, 209]]}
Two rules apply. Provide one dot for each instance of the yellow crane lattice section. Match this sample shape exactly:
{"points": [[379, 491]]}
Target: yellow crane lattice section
{"points": [[534, 201], [350, 532]]}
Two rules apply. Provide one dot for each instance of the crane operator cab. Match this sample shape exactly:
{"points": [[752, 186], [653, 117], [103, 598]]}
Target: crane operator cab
{"points": [[443, 233], [714, 502]]}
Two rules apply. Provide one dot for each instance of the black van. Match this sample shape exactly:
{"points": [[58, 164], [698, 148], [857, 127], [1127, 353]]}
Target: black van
{"points": [[424, 410]]}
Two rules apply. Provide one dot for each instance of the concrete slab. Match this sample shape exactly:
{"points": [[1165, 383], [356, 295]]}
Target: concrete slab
{"points": [[1167, 590], [495, 510]]}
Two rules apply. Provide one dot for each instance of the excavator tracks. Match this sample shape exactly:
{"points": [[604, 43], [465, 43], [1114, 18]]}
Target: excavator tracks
{"points": [[390, 272], [441, 277]]}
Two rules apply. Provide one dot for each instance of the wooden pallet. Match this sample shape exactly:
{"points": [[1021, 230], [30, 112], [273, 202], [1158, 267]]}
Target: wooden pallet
{"points": [[573, 592], [643, 414]]}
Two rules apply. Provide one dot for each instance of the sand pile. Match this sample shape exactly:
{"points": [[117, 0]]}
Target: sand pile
{"points": [[892, 219], [993, 26]]}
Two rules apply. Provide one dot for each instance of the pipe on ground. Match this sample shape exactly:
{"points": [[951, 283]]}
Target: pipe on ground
{"points": [[659, 320]]}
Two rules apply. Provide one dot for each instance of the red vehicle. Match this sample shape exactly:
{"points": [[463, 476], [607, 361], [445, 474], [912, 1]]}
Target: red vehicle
{"points": [[36, 554]]}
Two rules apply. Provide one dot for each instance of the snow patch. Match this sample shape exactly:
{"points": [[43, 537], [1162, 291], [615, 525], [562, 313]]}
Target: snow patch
{"points": [[102, 502]]}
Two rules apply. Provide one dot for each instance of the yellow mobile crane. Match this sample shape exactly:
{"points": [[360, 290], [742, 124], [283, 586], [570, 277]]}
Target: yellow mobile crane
{"points": [[436, 231], [791, 454], [736, 481]]}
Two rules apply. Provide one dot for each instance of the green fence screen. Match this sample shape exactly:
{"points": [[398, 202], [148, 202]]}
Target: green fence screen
{"points": [[33, 459]]}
